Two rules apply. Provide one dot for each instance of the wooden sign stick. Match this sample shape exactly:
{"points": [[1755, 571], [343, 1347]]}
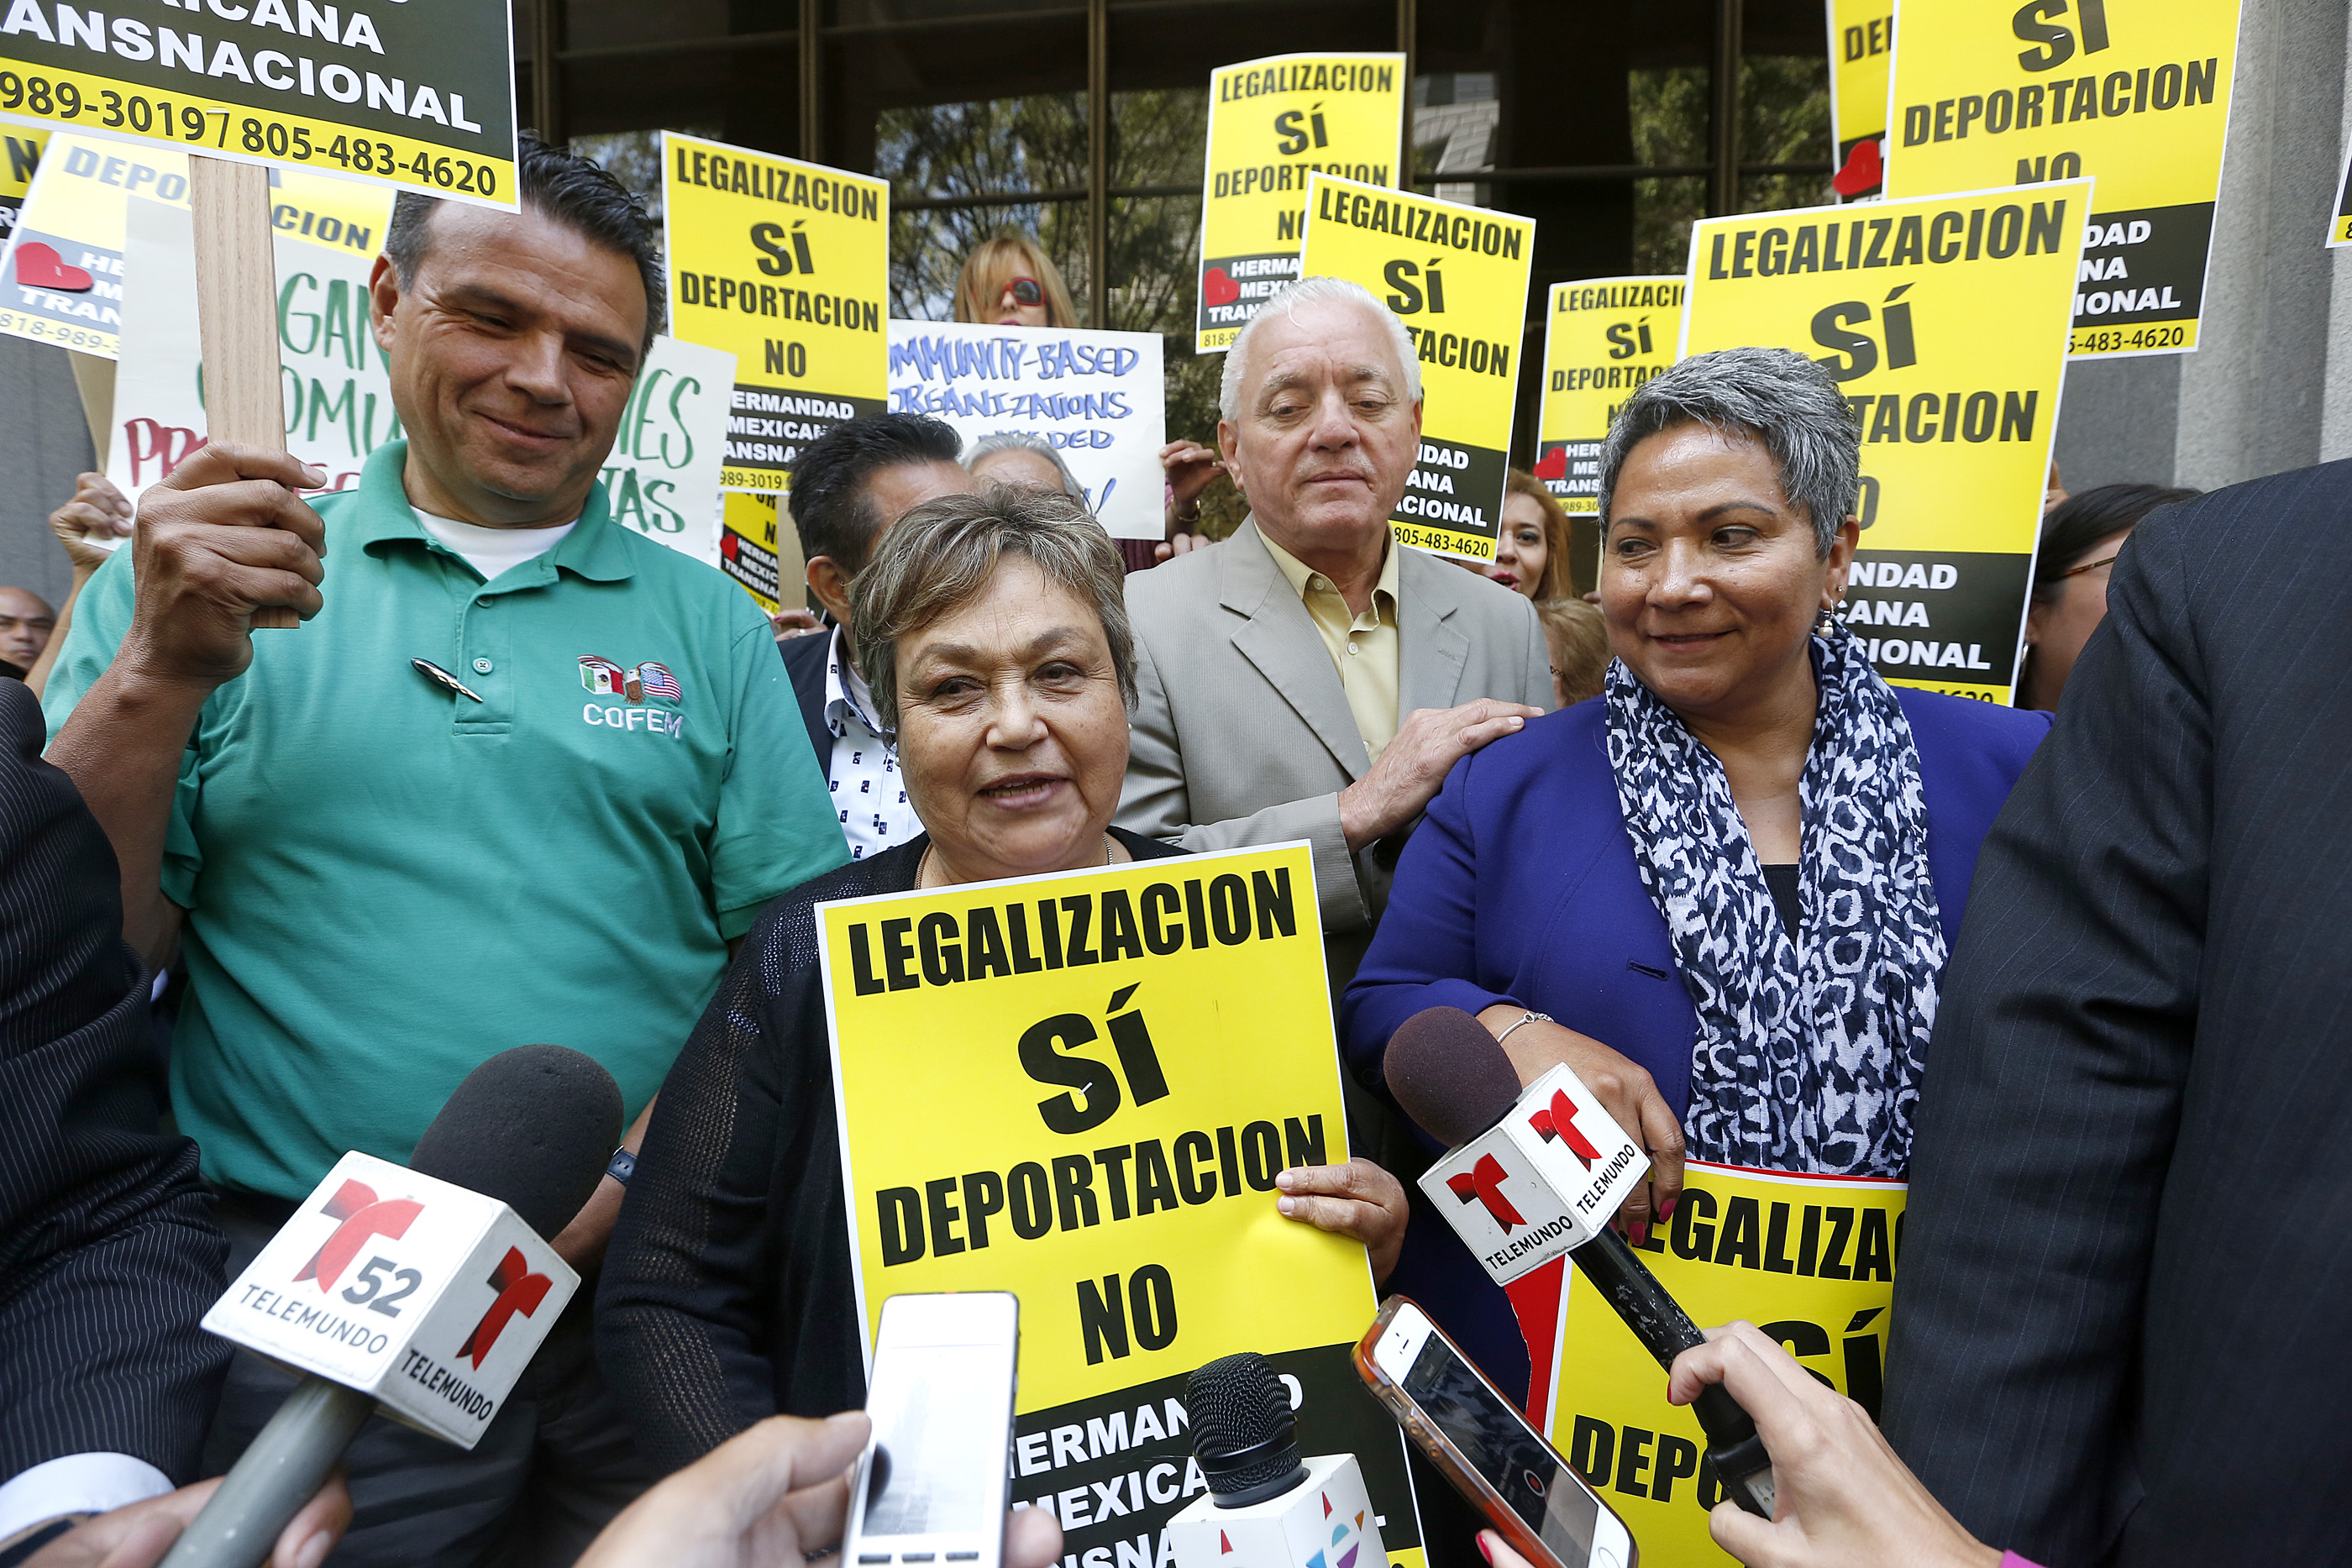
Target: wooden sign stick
{"points": [[236, 311]]}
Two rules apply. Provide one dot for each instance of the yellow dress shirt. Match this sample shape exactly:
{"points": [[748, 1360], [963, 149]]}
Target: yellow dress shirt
{"points": [[1363, 648]]}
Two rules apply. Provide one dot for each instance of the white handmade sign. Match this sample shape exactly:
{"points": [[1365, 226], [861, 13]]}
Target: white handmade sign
{"points": [[662, 474], [1098, 396]]}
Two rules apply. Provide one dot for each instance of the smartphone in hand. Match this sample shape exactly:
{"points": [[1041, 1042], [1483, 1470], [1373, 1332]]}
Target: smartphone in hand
{"points": [[1485, 1446], [932, 1486]]}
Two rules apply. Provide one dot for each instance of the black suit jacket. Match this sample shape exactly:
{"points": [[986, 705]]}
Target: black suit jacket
{"points": [[804, 666], [109, 1254], [2118, 1320]]}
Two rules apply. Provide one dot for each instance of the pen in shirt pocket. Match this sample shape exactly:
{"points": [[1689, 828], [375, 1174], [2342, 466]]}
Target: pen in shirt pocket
{"points": [[434, 672]]}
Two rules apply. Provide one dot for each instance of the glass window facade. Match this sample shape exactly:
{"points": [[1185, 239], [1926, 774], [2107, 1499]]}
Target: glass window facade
{"points": [[1081, 121]]}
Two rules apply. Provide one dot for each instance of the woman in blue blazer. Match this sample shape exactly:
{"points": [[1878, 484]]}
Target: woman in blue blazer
{"points": [[1723, 892]]}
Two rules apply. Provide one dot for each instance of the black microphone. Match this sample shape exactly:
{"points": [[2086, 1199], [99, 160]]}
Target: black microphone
{"points": [[532, 1128], [1452, 1077], [1263, 1501]]}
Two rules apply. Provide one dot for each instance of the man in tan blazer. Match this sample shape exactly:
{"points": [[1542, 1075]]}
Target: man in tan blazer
{"points": [[1311, 678]]}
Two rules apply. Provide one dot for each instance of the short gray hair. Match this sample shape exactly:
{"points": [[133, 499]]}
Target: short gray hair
{"points": [[1782, 399], [1310, 291], [1026, 441], [939, 557]]}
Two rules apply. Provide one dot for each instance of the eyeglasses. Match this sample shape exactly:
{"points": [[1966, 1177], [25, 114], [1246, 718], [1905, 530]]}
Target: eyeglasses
{"points": [[1025, 291], [2090, 566]]}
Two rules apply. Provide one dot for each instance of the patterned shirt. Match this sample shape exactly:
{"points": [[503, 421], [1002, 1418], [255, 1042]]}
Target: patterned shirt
{"points": [[869, 798]]}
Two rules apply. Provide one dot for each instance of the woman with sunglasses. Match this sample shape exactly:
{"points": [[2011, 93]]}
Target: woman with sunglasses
{"points": [[2080, 540], [1010, 282]]}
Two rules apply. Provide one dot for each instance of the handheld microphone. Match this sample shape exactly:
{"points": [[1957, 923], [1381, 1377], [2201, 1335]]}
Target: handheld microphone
{"points": [[1264, 1503], [1530, 1175], [419, 1289]]}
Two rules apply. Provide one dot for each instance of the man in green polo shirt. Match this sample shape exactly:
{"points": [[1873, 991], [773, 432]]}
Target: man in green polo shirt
{"points": [[380, 875]]}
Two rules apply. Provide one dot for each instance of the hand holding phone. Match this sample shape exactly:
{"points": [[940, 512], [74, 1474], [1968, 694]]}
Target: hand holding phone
{"points": [[931, 1486], [1485, 1446]]}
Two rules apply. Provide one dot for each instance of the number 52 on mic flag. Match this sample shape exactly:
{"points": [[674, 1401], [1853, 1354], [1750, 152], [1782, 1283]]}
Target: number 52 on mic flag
{"points": [[1943, 320], [1457, 278], [427, 1296]]}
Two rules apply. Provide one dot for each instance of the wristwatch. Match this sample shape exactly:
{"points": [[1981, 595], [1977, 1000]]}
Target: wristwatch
{"points": [[625, 1164]]}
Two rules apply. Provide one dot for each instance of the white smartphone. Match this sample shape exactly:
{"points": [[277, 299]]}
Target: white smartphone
{"points": [[1500, 1462], [932, 1485]]}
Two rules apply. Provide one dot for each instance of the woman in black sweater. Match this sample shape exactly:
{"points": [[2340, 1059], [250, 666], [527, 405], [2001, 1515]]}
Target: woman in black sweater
{"points": [[993, 630]]}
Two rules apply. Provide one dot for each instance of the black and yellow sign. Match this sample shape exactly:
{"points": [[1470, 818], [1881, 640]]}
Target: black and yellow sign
{"points": [[62, 280], [22, 155], [2135, 93], [420, 96], [1943, 321], [786, 266], [1808, 1260], [747, 546], [1604, 336], [1457, 278], [1862, 47], [1080, 1089], [1272, 123]]}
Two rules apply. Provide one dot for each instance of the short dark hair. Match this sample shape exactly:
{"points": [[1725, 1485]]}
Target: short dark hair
{"points": [[1785, 401], [577, 193], [2082, 520], [828, 500]]}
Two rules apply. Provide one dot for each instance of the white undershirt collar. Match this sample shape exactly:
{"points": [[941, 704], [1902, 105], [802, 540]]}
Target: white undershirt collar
{"points": [[492, 551]]}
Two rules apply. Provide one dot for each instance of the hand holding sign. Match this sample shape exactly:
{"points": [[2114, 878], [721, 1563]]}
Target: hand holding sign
{"points": [[223, 537], [1357, 1200], [96, 512]]}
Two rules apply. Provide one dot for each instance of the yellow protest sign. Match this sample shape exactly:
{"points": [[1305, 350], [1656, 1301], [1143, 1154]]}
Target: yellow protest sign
{"points": [[61, 281], [747, 546], [1862, 47], [785, 265], [1080, 1089], [2135, 96], [1604, 336], [1272, 123], [1951, 358], [23, 156], [1808, 1260], [1458, 277]]}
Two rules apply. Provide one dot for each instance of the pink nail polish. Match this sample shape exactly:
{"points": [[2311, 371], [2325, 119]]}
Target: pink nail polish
{"points": [[1484, 1550]]}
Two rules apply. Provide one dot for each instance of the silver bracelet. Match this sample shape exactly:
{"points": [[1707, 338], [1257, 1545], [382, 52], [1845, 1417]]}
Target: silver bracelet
{"points": [[1524, 1018]]}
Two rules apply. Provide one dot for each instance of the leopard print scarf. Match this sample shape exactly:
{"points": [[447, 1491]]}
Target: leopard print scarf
{"points": [[1809, 1052]]}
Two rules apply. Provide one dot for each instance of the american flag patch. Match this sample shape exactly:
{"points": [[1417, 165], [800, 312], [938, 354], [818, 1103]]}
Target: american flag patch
{"points": [[658, 682]]}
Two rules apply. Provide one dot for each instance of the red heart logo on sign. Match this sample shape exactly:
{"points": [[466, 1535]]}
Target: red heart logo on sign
{"points": [[1863, 169], [1216, 289], [1553, 464], [39, 266]]}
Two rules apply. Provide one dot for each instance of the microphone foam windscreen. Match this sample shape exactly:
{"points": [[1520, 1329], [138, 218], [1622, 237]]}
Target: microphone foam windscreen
{"points": [[533, 1128], [1448, 1073], [1234, 1404]]}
